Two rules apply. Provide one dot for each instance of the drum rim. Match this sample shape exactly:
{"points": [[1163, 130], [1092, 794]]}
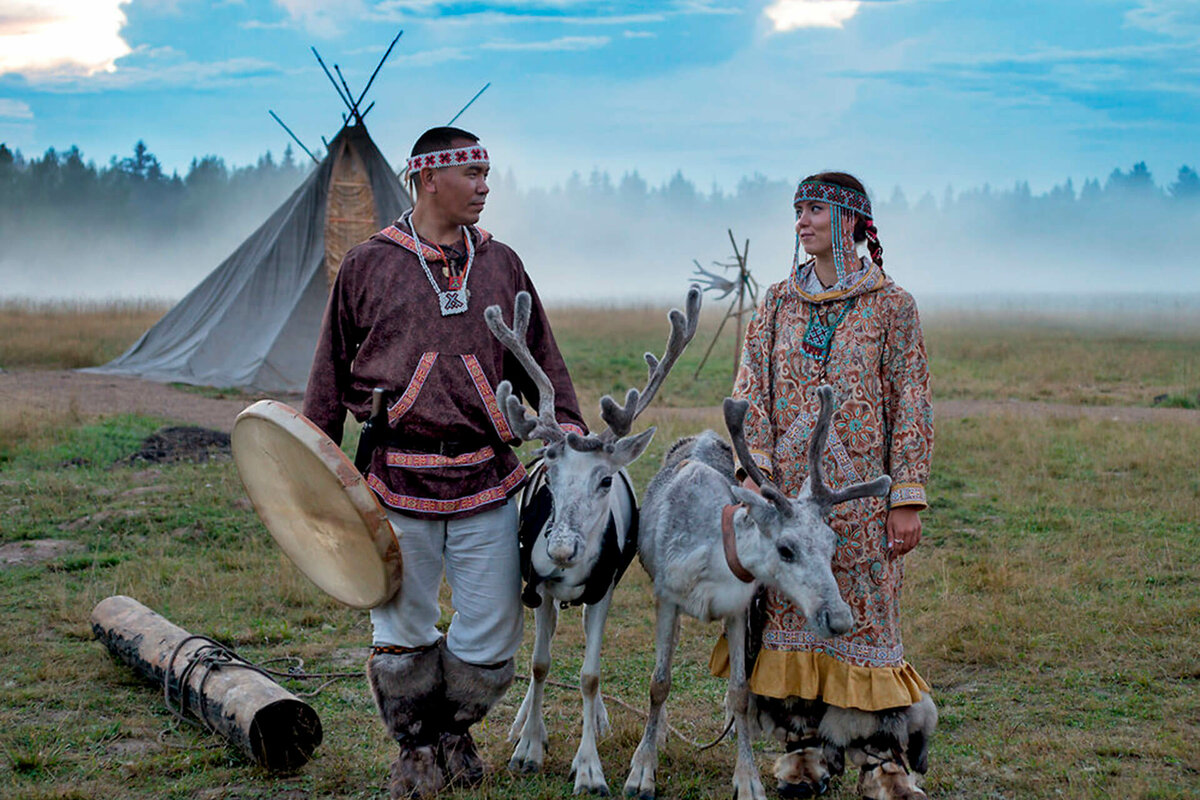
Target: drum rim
{"points": [[375, 523]]}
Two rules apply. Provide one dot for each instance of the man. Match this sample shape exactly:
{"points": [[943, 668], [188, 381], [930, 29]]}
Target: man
{"points": [[406, 314]]}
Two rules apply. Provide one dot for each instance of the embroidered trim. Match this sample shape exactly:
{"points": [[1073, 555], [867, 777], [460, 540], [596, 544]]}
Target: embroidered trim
{"points": [[775, 639], [455, 157], [488, 397], [398, 409], [429, 505], [571, 427], [763, 461], [872, 278], [907, 493], [404, 240], [399, 458]]}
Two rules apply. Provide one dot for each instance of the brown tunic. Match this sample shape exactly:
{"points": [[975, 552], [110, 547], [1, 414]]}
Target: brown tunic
{"points": [[449, 453]]}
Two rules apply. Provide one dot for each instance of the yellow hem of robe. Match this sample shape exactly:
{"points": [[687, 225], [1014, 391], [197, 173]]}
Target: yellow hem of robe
{"points": [[801, 673]]}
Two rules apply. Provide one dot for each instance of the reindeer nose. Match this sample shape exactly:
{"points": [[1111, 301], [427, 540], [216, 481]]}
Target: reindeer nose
{"points": [[562, 553], [839, 617]]}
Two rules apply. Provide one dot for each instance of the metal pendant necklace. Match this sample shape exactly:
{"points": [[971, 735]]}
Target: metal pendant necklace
{"points": [[454, 300]]}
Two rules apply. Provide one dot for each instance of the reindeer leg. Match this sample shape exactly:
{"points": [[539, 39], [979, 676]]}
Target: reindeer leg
{"points": [[588, 772], [529, 727], [746, 782], [642, 767]]}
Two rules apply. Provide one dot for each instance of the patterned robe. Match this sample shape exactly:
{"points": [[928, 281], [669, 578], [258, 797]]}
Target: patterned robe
{"points": [[863, 338]]}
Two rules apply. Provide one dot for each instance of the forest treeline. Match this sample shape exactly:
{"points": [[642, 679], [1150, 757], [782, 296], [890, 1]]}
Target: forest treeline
{"points": [[156, 233], [62, 184]]}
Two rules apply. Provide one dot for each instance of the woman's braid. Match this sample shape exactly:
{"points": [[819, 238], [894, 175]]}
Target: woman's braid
{"points": [[874, 247]]}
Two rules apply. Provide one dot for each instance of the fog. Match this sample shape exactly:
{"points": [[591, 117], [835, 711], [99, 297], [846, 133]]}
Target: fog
{"points": [[598, 239]]}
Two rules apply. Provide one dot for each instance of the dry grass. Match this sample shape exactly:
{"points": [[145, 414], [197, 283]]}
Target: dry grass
{"points": [[1052, 604], [68, 335]]}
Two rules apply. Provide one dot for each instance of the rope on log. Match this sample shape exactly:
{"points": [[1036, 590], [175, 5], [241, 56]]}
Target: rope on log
{"points": [[267, 723]]}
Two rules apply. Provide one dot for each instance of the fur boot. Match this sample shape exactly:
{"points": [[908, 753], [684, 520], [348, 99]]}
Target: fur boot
{"points": [[408, 693], [810, 763], [471, 691], [890, 747]]}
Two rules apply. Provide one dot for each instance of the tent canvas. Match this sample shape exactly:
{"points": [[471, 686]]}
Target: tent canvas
{"points": [[253, 322]]}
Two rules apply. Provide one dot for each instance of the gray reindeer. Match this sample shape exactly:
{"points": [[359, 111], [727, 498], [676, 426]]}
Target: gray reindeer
{"points": [[709, 543], [578, 551]]}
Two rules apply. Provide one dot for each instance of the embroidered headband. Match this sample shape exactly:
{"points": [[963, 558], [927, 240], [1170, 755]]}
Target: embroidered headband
{"points": [[847, 203], [459, 156], [834, 195]]}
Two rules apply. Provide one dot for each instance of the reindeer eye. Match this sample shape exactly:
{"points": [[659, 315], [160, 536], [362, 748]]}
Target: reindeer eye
{"points": [[786, 553], [606, 482]]}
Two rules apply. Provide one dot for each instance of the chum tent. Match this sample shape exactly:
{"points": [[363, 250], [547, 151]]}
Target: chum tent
{"points": [[253, 322]]}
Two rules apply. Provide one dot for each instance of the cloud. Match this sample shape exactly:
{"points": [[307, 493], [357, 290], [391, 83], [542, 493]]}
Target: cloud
{"points": [[1174, 18], [639, 35], [51, 38], [428, 58], [192, 75], [14, 109], [789, 15], [323, 17], [561, 44]]}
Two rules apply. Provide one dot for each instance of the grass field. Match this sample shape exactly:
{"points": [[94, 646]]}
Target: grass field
{"points": [[1052, 605]]}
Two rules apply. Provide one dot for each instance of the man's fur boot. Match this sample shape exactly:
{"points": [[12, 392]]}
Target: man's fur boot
{"points": [[408, 693], [471, 690]]}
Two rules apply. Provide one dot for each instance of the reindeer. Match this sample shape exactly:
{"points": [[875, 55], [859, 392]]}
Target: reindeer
{"points": [[707, 560], [579, 551]]}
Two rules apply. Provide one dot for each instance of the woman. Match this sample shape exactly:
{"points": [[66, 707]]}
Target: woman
{"points": [[839, 320]]}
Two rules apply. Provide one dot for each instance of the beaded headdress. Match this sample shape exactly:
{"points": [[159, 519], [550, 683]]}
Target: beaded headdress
{"points": [[848, 204], [456, 157]]}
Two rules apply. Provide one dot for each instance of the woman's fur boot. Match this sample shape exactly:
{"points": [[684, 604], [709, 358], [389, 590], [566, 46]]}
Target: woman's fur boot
{"points": [[470, 692], [891, 747], [408, 691]]}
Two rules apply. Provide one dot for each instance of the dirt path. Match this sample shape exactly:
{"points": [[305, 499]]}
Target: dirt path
{"points": [[57, 391]]}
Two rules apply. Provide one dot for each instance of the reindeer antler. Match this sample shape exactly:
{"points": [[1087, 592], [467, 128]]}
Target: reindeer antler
{"points": [[543, 425], [735, 421], [683, 327], [822, 494]]}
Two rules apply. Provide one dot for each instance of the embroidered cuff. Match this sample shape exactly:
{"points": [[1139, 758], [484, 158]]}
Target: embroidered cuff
{"points": [[763, 463], [907, 494], [571, 427]]}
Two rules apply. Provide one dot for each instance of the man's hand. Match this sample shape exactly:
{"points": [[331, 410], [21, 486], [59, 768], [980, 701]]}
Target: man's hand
{"points": [[903, 530]]}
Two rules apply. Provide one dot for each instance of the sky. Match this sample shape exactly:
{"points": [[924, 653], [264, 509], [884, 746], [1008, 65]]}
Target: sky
{"points": [[917, 93]]}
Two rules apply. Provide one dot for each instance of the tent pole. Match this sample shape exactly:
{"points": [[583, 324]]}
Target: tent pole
{"points": [[294, 136], [378, 67], [468, 105]]}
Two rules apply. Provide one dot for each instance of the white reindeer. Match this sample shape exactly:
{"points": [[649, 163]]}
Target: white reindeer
{"points": [[590, 535], [707, 560]]}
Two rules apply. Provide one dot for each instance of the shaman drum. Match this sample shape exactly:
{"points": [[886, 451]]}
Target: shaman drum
{"points": [[316, 505]]}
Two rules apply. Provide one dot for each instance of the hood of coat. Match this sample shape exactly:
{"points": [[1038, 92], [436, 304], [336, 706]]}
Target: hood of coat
{"points": [[869, 277], [398, 233]]}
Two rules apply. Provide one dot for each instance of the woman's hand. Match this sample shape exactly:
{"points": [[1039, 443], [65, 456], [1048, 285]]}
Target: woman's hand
{"points": [[903, 530]]}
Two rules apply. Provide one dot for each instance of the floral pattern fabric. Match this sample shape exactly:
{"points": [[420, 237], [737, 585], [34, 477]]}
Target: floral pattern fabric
{"points": [[877, 367]]}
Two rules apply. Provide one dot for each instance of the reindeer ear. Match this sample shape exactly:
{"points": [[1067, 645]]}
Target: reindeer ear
{"points": [[627, 450], [761, 510]]}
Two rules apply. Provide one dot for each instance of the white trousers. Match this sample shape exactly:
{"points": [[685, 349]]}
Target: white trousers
{"points": [[482, 565]]}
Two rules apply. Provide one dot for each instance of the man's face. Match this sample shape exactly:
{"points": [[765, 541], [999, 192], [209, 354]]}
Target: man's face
{"points": [[458, 192]]}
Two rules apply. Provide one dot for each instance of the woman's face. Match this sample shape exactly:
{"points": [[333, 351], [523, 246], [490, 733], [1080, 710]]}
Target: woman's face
{"points": [[813, 227]]}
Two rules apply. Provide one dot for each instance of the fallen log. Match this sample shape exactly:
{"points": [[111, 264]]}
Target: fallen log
{"points": [[259, 717]]}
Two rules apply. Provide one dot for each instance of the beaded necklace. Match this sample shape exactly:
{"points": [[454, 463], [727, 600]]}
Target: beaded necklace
{"points": [[454, 300], [818, 335]]}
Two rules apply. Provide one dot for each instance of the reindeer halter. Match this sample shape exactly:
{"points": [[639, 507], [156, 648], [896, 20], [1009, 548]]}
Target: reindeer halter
{"points": [[848, 205]]}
